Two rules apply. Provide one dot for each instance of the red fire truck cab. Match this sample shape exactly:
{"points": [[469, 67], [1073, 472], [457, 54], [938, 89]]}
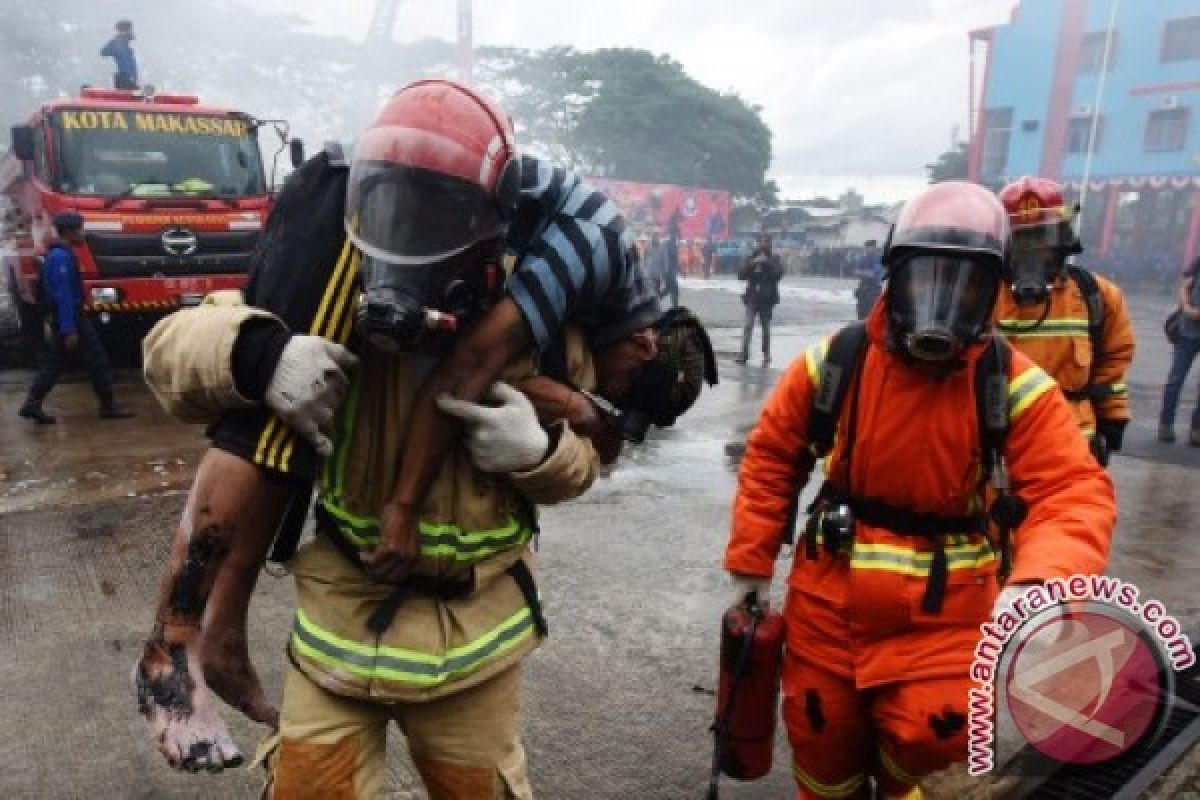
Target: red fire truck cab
{"points": [[173, 195]]}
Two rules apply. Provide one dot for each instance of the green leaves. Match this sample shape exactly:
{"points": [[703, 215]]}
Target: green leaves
{"points": [[633, 115]]}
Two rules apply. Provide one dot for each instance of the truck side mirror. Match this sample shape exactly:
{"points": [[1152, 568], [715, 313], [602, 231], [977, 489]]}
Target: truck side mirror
{"points": [[296, 151], [23, 140]]}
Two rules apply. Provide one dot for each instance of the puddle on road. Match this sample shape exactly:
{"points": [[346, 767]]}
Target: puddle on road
{"points": [[670, 462], [101, 522]]}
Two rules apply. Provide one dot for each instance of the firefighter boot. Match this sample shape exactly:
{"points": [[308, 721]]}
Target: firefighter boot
{"points": [[111, 409], [32, 409]]}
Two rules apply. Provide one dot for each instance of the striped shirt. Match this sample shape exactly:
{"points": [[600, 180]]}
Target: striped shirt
{"points": [[576, 260]]}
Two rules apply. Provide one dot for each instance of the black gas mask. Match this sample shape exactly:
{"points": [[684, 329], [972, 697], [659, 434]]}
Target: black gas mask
{"points": [[405, 309], [430, 245], [1039, 254], [1039, 260], [665, 388], [940, 304]]}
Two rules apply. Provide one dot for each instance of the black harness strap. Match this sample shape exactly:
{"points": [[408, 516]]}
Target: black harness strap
{"points": [[846, 351], [1090, 288], [443, 589], [287, 538], [838, 372], [524, 580], [1094, 300]]}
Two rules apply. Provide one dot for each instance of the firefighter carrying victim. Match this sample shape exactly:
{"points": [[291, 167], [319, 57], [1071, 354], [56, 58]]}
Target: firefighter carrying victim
{"points": [[306, 386]]}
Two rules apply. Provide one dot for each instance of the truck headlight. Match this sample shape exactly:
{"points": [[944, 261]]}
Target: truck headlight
{"points": [[106, 296]]}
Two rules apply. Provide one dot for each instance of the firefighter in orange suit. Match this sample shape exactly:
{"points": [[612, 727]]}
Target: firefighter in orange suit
{"points": [[896, 572], [1070, 322]]}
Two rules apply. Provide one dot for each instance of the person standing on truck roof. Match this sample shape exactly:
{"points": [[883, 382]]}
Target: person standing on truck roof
{"points": [[70, 330], [121, 52]]}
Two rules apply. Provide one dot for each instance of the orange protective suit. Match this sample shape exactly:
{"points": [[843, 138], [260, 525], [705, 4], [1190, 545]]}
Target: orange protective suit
{"points": [[873, 685], [1060, 345]]}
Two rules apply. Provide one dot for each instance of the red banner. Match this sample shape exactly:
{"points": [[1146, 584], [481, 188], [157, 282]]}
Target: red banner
{"points": [[655, 207]]}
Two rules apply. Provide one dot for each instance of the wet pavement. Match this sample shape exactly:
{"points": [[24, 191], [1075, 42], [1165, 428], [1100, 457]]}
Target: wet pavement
{"points": [[617, 701]]}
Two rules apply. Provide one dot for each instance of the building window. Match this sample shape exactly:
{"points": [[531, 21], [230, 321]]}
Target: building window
{"points": [[1166, 131], [1181, 40], [1079, 133], [997, 133], [1091, 56]]}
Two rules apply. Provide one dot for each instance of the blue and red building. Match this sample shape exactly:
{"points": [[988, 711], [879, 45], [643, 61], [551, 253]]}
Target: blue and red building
{"points": [[1116, 79]]}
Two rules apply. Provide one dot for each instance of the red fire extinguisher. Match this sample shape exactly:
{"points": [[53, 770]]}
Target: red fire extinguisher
{"points": [[747, 692]]}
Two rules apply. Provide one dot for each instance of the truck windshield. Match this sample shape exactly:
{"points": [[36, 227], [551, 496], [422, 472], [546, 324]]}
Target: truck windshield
{"points": [[111, 153]]}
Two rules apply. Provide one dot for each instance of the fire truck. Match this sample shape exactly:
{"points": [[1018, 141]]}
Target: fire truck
{"points": [[173, 193]]}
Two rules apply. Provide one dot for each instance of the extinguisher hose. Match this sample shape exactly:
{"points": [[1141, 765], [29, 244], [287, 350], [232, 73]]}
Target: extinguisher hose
{"points": [[720, 727]]}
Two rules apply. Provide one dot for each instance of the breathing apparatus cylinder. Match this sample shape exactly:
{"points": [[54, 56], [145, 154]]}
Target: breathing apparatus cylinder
{"points": [[748, 689]]}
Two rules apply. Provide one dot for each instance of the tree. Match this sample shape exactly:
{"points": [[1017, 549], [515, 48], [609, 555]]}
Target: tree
{"points": [[950, 165], [616, 113], [631, 115]]}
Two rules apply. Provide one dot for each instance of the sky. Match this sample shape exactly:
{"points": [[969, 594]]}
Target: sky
{"points": [[861, 93]]}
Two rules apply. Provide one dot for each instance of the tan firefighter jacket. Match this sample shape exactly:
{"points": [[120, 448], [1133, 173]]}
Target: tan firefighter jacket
{"points": [[473, 528]]}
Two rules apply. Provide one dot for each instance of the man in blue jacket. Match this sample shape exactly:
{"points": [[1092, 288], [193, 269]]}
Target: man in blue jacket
{"points": [[120, 51], [70, 329]]}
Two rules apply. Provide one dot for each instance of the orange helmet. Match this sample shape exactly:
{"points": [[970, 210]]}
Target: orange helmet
{"points": [[436, 172], [1040, 216], [946, 257], [953, 217]]}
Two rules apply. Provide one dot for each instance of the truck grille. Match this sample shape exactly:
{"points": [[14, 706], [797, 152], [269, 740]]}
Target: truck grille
{"points": [[124, 255]]}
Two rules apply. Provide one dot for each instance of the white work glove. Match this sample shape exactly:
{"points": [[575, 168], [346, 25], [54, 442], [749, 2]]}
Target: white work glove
{"points": [[743, 585], [1044, 615], [504, 436], [308, 386], [1006, 597]]}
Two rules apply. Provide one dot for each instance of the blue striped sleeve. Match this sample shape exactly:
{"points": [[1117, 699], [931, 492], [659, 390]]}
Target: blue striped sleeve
{"points": [[578, 263]]}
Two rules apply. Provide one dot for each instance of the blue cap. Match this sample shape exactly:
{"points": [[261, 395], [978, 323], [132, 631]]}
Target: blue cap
{"points": [[68, 221]]}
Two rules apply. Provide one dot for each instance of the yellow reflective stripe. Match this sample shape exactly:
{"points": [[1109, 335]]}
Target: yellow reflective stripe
{"points": [[1065, 322], [332, 289], [1011, 333], [1049, 329], [409, 666], [1025, 389], [353, 520], [833, 790], [273, 436], [909, 561], [339, 289], [897, 772], [437, 540], [914, 793], [337, 321], [264, 438], [285, 460], [1117, 389], [814, 360], [334, 471]]}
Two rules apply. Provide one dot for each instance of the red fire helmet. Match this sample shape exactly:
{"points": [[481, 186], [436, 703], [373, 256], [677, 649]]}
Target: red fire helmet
{"points": [[1039, 215], [436, 172]]}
